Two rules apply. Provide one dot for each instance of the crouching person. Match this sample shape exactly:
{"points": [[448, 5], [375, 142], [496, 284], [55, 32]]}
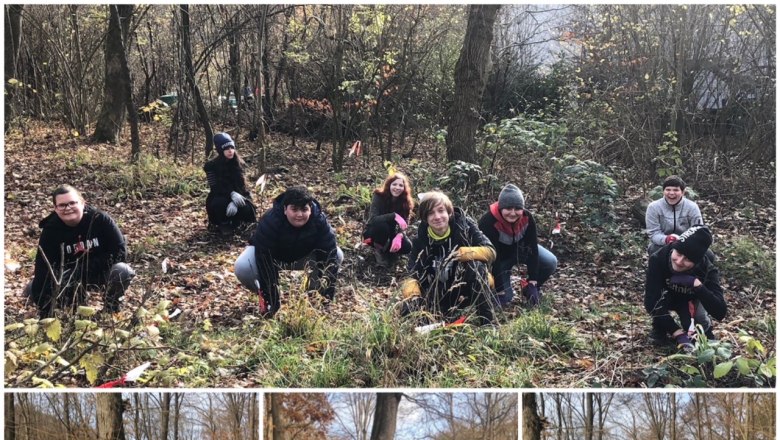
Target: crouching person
{"points": [[448, 264], [80, 247], [681, 278], [512, 230], [292, 235]]}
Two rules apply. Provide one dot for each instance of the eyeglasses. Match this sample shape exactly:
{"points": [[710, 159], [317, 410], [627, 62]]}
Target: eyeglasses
{"points": [[64, 206]]}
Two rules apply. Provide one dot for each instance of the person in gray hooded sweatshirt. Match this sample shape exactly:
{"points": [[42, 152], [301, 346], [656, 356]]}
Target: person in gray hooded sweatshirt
{"points": [[668, 217]]}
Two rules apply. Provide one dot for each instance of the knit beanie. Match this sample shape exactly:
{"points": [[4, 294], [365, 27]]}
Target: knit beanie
{"points": [[694, 243], [222, 141], [511, 197]]}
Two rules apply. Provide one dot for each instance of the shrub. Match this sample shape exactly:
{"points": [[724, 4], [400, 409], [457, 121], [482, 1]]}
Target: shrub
{"points": [[589, 186], [744, 260]]}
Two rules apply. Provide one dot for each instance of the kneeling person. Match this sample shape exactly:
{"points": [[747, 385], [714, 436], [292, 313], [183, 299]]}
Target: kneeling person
{"points": [[290, 235], [80, 246], [448, 263], [681, 278]]}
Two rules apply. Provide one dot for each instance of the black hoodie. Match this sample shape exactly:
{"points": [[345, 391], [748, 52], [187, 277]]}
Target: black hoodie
{"points": [[662, 296], [91, 248]]}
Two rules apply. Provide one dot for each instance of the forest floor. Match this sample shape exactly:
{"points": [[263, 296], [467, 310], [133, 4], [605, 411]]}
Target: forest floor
{"points": [[591, 330]]}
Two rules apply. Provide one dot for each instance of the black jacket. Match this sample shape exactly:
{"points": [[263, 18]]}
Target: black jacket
{"points": [[517, 242], [91, 248], [661, 296], [224, 177], [276, 239], [428, 254]]}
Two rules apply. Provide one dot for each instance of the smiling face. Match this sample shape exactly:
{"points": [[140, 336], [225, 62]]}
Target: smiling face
{"points": [[673, 194], [397, 187], [297, 215], [69, 208], [681, 263], [439, 219], [511, 214]]}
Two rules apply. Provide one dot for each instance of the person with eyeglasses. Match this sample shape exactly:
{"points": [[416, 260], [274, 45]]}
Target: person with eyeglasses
{"points": [[80, 248], [229, 204], [512, 230]]}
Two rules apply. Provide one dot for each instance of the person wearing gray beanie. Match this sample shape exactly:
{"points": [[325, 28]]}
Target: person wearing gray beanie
{"points": [[512, 230], [683, 279]]}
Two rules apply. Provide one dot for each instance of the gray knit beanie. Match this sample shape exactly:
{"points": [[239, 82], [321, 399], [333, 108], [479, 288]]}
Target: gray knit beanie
{"points": [[511, 197]]}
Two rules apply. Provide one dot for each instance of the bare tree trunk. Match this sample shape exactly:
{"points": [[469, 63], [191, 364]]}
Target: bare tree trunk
{"points": [[109, 416], [385, 416], [277, 432], [471, 73], [9, 413], [190, 74], [177, 401], [127, 82], [588, 416], [13, 40], [532, 422], [112, 113], [258, 123], [165, 414]]}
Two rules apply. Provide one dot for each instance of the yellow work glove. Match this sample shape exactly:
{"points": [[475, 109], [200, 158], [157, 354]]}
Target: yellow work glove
{"points": [[410, 288], [491, 281], [476, 253]]}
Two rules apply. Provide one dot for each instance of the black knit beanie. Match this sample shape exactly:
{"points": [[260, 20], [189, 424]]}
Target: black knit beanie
{"points": [[694, 243]]}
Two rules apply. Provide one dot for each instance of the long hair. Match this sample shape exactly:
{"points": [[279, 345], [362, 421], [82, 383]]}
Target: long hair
{"points": [[403, 205]]}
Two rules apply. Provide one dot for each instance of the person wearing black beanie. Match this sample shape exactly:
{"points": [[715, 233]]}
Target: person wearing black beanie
{"points": [[229, 203], [682, 278]]}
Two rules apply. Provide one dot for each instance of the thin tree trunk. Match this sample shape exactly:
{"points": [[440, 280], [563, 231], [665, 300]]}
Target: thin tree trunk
{"points": [[9, 413], [165, 415], [190, 74], [13, 41], [277, 428]]}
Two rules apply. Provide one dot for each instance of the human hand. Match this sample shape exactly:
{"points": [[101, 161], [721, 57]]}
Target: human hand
{"points": [[670, 238], [533, 295], [683, 280], [395, 246], [684, 342], [401, 222], [231, 209], [474, 253], [238, 199]]}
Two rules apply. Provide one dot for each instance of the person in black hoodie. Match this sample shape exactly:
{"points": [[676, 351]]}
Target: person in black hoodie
{"points": [[388, 217], [80, 246], [292, 234], [448, 263], [229, 203], [512, 230], [681, 278]]}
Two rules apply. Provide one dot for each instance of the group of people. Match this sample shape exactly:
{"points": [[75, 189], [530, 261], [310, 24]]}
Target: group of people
{"points": [[454, 263]]}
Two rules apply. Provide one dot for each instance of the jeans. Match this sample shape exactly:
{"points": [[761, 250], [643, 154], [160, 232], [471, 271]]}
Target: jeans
{"points": [[502, 272], [246, 270]]}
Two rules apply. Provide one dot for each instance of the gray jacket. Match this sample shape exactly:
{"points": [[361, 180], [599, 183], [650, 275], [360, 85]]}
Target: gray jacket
{"points": [[663, 219]]}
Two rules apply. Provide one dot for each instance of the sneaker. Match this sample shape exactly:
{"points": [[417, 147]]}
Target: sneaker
{"points": [[226, 229], [659, 338]]}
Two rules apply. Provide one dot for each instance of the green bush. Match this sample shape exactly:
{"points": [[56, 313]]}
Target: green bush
{"points": [[587, 185], [744, 260]]}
